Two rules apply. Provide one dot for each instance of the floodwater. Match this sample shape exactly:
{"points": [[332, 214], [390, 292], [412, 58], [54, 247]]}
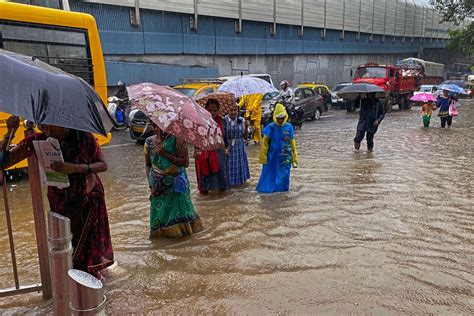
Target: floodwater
{"points": [[386, 233]]}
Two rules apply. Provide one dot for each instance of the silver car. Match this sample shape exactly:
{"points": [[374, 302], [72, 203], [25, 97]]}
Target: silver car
{"points": [[335, 100]]}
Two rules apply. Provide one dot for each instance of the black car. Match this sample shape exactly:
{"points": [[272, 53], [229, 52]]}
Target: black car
{"points": [[139, 127], [307, 104]]}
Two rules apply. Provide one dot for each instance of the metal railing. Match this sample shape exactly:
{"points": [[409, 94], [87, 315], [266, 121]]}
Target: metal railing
{"points": [[40, 229]]}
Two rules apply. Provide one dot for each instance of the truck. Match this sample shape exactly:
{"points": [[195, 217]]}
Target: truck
{"points": [[400, 81]]}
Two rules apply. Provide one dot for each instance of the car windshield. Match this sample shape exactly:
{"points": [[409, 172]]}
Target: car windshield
{"points": [[186, 91], [270, 95], [371, 72], [339, 87]]}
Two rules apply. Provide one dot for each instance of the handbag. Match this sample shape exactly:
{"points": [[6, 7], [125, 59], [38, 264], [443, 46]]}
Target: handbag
{"points": [[453, 110]]}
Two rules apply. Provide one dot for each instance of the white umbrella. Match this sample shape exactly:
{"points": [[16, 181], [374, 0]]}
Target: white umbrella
{"points": [[246, 85]]}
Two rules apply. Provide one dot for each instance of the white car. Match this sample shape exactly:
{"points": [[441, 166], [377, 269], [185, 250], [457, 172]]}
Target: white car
{"points": [[335, 100], [428, 89]]}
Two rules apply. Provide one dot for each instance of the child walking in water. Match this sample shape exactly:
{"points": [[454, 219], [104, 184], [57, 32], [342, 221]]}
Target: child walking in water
{"points": [[426, 112]]}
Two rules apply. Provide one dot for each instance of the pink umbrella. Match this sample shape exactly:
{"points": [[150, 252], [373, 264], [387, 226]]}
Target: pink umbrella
{"points": [[423, 97], [177, 114]]}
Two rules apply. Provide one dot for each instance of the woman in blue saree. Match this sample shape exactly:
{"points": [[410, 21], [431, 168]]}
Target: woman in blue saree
{"points": [[277, 154]]}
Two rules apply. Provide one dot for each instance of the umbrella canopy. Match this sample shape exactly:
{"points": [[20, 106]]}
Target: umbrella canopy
{"points": [[43, 94], [246, 85], [423, 97], [352, 91], [452, 88], [177, 114], [459, 83], [226, 100]]}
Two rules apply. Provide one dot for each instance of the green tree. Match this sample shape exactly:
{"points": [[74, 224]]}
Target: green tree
{"points": [[458, 11], [455, 11], [463, 40]]}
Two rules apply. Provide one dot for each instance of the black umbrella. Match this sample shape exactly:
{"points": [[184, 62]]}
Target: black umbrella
{"points": [[351, 92], [43, 94]]}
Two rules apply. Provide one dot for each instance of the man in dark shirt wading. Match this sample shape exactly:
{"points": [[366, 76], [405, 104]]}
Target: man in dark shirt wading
{"points": [[372, 112]]}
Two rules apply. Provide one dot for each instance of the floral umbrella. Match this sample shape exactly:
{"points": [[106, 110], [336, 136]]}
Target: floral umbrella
{"points": [[423, 97], [226, 100], [177, 114]]}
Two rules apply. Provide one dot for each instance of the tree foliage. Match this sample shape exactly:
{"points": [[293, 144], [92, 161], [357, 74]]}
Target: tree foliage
{"points": [[463, 40], [458, 11], [455, 11]]}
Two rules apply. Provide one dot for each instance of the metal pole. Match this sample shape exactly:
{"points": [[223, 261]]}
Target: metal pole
{"points": [[40, 222], [239, 27], [343, 19], [405, 23], [323, 33], [137, 12], [194, 18], [360, 13], [396, 17], [9, 227], [437, 30], [414, 22], [60, 254], [432, 26], [274, 17], [423, 24], [373, 20], [302, 19], [87, 294], [384, 21]]}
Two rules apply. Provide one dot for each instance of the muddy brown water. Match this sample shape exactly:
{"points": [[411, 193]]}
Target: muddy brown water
{"points": [[387, 233]]}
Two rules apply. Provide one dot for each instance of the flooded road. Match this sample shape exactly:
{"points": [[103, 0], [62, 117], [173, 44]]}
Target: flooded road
{"points": [[389, 233]]}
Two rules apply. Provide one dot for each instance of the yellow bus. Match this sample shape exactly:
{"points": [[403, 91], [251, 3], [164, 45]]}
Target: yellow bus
{"points": [[67, 40]]}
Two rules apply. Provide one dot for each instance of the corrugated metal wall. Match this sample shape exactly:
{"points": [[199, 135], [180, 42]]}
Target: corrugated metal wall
{"points": [[406, 18]]}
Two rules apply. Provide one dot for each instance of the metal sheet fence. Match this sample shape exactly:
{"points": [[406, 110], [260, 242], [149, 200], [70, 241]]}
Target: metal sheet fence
{"points": [[405, 18]]}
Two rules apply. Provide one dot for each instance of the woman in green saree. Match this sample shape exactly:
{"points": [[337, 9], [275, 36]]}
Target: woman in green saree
{"points": [[172, 213]]}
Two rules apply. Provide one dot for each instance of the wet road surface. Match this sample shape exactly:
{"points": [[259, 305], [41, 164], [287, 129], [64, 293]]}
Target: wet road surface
{"points": [[390, 232]]}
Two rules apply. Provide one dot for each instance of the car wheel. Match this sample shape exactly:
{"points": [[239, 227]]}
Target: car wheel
{"points": [[401, 104], [316, 115]]}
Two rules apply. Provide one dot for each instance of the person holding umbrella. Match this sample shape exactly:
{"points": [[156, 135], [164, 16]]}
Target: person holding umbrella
{"points": [[178, 115], [66, 108], [371, 114], [443, 106], [172, 213], [427, 106], [83, 202]]}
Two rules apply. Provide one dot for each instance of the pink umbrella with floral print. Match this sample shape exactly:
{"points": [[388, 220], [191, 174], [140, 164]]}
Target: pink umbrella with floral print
{"points": [[176, 114]]}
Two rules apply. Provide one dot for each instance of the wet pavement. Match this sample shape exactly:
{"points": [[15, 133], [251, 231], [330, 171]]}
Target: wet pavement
{"points": [[390, 232]]}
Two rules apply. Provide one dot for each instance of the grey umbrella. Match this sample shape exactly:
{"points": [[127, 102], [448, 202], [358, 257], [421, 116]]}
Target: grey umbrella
{"points": [[351, 92], [40, 93]]}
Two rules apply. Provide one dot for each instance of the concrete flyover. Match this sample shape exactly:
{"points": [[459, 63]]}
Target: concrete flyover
{"points": [[320, 40]]}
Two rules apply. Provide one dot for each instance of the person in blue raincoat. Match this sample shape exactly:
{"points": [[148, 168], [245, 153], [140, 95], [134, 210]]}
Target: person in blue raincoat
{"points": [[277, 154]]}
